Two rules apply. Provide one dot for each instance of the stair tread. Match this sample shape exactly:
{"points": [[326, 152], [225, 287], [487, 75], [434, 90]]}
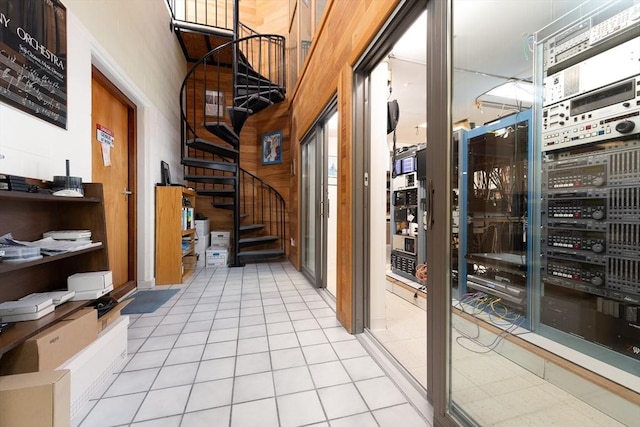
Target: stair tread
{"points": [[224, 132], [251, 227], [258, 239], [222, 192], [212, 179], [204, 163], [261, 253], [224, 205], [210, 147]]}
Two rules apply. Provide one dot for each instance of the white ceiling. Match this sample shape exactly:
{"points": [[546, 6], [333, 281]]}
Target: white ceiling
{"points": [[490, 38]]}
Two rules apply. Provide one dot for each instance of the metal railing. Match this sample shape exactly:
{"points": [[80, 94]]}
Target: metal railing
{"points": [[263, 204], [262, 56], [213, 13], [231, 74]]}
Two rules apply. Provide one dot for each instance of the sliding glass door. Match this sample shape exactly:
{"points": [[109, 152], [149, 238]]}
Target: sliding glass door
{"points": [[319, 206]]}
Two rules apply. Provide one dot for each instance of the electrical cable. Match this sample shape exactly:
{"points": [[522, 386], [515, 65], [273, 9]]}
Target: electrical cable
{"points": [[479, 301]]}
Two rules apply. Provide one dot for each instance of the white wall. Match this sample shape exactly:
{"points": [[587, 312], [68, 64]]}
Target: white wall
{"points": [[131, 43]]}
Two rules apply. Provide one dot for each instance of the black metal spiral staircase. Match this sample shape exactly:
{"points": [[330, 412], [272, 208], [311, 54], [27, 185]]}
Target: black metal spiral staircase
{"points": [[251, 67]]}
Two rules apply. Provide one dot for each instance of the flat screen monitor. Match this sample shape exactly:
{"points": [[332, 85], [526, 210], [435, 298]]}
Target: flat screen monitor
{"points": [[408, 165], [398, 167]]}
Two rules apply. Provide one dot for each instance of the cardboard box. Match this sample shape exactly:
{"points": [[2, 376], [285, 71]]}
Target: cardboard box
{"points": [[50, 348], [216, 256], [190, 261], [220, 238], [112, 315], [39, 399], [90, 281]]}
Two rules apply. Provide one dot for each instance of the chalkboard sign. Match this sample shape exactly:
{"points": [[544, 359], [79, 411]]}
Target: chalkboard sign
{"points": [[33, 58]]}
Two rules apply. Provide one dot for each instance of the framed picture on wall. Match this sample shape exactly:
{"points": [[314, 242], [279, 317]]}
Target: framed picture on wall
{"points": [[272, 148], [214, 103]]}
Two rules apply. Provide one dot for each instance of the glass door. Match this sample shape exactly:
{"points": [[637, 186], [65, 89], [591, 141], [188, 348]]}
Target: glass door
{"points": [[330, 203], [319, 205], [541, 322], [310, 215]]}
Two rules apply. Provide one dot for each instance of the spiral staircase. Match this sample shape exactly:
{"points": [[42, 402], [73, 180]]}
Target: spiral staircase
{"points": [[249, 67]]}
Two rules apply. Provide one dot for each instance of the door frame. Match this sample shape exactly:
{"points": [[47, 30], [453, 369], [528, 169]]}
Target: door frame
{"points": [[132, 200], [318, 132]]}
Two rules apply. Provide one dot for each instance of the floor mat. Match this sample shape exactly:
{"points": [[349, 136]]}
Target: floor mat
{"points": [[148, 301]]}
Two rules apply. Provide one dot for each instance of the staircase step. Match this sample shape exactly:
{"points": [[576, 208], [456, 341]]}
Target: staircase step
{"points": [[222, 192], [258, 255], [224, 132], [251, 241], [251, 227], [211, 179], [238, 116], [251, 79], [210, 147], [224, 205], [210, 164], [247, 70]]}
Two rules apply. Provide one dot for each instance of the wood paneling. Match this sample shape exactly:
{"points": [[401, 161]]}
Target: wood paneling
{"points": [[272, 17], [347, 28]]}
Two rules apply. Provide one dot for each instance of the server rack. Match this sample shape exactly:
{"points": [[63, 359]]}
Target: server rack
{"points": [[493, 255], [407, 239], [588, 137]]}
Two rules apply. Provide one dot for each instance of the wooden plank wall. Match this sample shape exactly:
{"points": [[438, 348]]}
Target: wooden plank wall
{"points": [[348, 27]]}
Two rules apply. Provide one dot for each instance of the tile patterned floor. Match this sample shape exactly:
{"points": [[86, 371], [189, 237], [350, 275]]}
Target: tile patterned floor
{"points": [[253, 346], [489, 387]]}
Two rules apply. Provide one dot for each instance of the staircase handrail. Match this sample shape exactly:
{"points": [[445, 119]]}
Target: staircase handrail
{"points": [[226, 19], [280, 210], [194, 68]]}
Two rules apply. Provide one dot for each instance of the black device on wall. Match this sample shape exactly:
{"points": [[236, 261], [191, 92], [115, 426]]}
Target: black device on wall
{"points": [[393, 114], [165, 174]]}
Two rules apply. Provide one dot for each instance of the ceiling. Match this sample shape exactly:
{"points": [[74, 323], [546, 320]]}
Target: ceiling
{"points": [[490, 46]]}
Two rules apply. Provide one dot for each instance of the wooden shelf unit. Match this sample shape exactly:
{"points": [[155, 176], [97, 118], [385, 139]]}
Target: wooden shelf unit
{"points": [[170, 235], [26, 216]]}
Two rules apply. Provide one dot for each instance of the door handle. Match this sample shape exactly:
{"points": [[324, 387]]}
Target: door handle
{"points": [[430, 193], [127, 192]]}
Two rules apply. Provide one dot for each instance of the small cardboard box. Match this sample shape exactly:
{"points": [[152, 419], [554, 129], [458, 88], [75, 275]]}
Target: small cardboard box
{"points": [[50, 348], [216, 256], [38, 399], [190, 261], [112, 315], [220, 238]]}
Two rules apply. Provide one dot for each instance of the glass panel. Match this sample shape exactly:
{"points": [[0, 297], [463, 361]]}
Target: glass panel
{"points": [[545, 218], [306, 30], [397, 244], [320, 5], [292, 47], [308, 195], [331, 204]]}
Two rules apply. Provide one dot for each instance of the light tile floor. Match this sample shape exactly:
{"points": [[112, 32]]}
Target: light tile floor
{"points": [[253, 346], [488, 387]]}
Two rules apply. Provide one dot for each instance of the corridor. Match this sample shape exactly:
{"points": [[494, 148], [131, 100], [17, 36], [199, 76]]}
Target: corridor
{"points": [[253, 346]]}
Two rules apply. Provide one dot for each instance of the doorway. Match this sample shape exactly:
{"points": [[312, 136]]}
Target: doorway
{"points": [[113, 154], [391, 87], [319, 170]]}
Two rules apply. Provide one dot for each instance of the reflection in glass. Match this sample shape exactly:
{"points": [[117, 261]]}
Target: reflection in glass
{"points": [[308, 203], [545, 292]]}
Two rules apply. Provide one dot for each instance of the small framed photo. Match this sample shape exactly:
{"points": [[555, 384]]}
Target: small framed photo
{"points": [[272, 148], [213, 103]]}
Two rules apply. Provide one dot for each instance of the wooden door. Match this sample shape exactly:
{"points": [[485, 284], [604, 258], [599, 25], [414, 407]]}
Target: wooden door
{"points": [[113, 119]]}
